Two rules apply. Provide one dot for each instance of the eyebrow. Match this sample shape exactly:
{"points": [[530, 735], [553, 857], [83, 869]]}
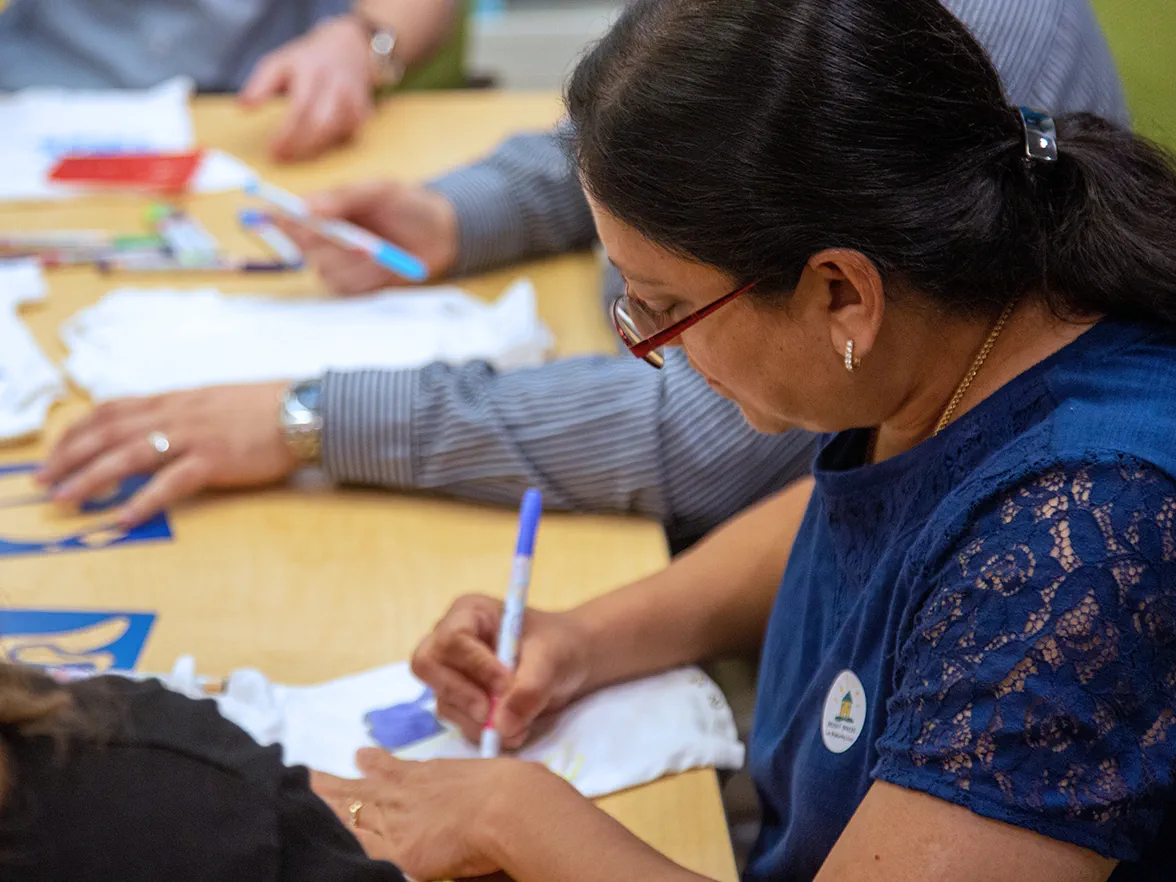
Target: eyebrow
{"points": [[633, 277]]}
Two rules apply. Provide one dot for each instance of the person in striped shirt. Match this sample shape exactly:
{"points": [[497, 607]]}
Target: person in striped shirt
{"points": [[595, 433]]}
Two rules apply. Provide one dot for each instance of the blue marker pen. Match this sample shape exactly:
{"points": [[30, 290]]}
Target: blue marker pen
{"points": [[511, 628], [346, 234]]}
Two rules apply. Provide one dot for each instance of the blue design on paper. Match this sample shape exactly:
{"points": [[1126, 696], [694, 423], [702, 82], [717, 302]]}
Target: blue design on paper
{"points": [[103, 536], [399, 726], [84, 642], [58, 146]]}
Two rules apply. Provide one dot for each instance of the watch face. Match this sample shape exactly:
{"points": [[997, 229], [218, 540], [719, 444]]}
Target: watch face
{"points": [[383, 43], [308, 395]]}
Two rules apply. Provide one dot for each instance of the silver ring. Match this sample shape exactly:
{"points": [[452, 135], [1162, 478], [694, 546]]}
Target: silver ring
{"points": [[160, 443]]}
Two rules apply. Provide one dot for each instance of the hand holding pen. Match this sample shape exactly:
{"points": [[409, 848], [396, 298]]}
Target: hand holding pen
{"points": [[476, 689], [417, 221]]}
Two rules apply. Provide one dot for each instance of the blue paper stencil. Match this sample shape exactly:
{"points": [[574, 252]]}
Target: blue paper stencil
{"points": [[403, 724], [101, 535], [93, 642]]}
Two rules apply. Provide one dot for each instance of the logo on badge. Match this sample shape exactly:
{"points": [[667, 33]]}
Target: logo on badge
{"points": [[844, 717]]}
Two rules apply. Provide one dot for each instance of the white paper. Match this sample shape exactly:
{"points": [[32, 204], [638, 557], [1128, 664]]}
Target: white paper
{"points": [[29, 382], [41, 125], [617, 738], [138, 342]]}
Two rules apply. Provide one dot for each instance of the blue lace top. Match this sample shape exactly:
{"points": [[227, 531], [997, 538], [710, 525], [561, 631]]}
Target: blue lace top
{"points": [[989, 618]]}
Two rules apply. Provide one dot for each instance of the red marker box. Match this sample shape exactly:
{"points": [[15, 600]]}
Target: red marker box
{"points": [[154, 172]]}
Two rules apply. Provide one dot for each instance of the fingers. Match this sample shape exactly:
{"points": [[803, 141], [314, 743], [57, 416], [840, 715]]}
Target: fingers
{"points": [[289, 143], [90, 436], [182, 479], [307, 239], [376, 763], [458, 662], [352, 201], [270, 78], [461, 702], [323, 111], [349, 274], [337, 793], [464, 674], [344, 270], [462, 643], [126, 458], [524, 701], [342, 794]]}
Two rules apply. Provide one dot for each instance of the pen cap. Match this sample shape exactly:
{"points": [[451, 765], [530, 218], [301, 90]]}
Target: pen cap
{"points": [[529, 522], [251, 217]]}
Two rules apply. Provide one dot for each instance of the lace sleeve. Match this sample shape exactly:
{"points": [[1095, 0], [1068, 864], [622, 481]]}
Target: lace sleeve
{"points": [[1038, 683]]}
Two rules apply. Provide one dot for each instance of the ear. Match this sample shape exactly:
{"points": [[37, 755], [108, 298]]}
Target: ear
{"points": [[851, 288]]}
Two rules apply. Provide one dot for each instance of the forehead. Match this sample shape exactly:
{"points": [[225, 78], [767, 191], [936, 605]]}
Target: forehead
{"points": [[641, 260]]}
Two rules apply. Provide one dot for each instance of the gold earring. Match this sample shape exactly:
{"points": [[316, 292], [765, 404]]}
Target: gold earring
{"points": [[850, 364]]}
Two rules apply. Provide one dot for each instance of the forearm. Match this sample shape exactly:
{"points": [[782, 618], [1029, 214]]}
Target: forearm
{"points": [[420, 26], [548, 831], [711, 602]]}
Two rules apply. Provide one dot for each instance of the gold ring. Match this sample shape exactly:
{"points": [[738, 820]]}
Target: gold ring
{"points": [[353, 810]]}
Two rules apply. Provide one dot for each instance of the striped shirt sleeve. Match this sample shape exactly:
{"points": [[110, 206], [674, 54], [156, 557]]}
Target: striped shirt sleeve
{"points": [[1051, 54], [595, 433], [524, 200]]}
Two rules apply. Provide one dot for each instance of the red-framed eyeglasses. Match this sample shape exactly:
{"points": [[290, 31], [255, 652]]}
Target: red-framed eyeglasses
{"points": [[639, 331]]}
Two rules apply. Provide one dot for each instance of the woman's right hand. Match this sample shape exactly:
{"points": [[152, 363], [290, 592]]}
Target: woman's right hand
{"points": [[414, 217], [458, 661]]}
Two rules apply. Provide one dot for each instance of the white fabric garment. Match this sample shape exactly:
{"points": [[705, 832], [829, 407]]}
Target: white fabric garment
{"points": [[42, 125], [144, 341], [29, 383], [609, 741]]}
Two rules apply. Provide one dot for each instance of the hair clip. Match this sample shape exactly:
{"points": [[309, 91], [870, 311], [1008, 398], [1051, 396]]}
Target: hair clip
{"points": [[1041, 135]]}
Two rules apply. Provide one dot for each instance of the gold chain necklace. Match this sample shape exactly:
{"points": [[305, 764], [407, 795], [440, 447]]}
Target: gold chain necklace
{"points": [[977, 363], [965, 383]]}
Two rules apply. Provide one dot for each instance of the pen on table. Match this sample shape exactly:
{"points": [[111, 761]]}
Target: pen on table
{"points": [[261, 224], [346, 234], [162, 263], [188, 240], [511, 628]]}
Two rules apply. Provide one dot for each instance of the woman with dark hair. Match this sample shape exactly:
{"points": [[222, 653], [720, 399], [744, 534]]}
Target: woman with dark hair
{"points": [[969, 669], [110, 780]]}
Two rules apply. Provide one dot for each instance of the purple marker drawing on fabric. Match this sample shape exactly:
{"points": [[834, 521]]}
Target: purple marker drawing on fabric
{"points": [[403, 724]]}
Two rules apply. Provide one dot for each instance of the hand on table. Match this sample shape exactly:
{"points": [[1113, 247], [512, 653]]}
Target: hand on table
{"points": [[223, 436], [457, 660], [436, 820], [411, 216], [326, 76]]}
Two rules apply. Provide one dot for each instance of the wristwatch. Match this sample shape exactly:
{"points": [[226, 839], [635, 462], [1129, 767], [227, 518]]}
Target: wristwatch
{"points": [[387, 71], [302, 421]]}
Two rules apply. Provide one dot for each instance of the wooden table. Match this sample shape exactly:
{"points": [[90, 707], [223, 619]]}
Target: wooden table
{"points": [[309, 585]]}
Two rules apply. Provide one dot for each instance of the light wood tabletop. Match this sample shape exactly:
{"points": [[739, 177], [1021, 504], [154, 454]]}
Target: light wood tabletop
{"points": [[310, 582]]}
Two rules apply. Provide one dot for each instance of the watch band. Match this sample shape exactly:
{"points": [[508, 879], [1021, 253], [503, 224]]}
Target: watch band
{"points": [[301, 420], [386, 69]]}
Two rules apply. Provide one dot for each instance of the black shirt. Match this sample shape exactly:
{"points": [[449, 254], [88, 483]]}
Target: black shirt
{"points": [[170, 791]]}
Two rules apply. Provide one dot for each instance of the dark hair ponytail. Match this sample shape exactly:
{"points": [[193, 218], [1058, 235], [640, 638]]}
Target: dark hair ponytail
{"points": [[1109, 230], [750, 134]]}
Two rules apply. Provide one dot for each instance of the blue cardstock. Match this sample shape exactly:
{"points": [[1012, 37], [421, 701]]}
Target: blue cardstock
{"points": [[93, 642], [153, 530]]}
